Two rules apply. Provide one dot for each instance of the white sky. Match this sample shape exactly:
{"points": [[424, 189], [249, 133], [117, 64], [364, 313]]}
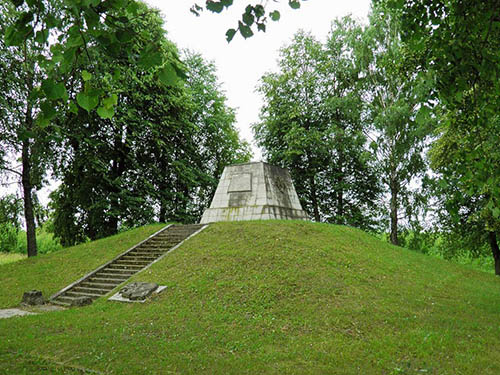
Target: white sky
{"points": [[242, 62]]}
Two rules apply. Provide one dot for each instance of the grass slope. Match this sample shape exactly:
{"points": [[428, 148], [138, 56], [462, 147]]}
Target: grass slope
{"points": [[269, 297]]}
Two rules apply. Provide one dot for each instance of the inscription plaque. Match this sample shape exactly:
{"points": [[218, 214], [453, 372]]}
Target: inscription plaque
{"points": [[240, 182]]}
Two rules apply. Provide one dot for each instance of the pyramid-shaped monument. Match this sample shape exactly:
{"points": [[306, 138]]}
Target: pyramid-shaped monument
{"points": [[254, 191]]}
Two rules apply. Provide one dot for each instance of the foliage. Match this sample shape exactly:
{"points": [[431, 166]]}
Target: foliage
{"points": [[260, 297], [62, 40], [11, 210], [399, 137], [311, 124], [8, 237], [106, 164], [456, 43]]}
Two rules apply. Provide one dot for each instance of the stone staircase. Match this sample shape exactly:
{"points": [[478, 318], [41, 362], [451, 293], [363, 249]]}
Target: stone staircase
{"points": [[105, 278]]}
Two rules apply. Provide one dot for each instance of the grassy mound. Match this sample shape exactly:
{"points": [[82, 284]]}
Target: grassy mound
{"points": [[269, 297]]}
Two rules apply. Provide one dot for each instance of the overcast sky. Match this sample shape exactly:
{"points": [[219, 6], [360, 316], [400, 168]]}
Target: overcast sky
{"points": [[241, 63]]}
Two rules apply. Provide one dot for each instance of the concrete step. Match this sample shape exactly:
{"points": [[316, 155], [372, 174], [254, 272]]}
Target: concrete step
{"points": [[60, 303], [83, 294], [141, 263], [99, 285], [147, 254], [142, 258], [153, 249], [123, 275], [63, 299], [125, 267], [107, 280], [116, 271], [89, 291]]}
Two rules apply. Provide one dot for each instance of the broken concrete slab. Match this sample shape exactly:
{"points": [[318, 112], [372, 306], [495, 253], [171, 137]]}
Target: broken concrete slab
{"points": [[121, 298]]}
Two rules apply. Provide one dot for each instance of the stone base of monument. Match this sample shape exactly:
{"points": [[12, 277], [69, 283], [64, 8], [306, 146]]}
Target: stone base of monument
{"points": [[254, 191], [137, 292]]}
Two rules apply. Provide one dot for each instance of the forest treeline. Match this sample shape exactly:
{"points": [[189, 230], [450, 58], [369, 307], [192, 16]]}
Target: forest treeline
{"points": [[391, 126]]}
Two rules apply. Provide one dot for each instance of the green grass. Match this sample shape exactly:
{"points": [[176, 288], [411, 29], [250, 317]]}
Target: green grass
{"points": [[10, 257], [267, 297]]}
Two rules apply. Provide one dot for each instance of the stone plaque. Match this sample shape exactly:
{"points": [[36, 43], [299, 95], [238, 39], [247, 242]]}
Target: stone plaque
{"points": [[240, 182]]}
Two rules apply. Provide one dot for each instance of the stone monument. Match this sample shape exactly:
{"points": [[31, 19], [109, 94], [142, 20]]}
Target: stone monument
{"points": [[254, 191]]}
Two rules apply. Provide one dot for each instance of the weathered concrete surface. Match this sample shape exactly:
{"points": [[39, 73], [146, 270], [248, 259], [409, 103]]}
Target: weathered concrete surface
{"points": [[9, 313], [254, 191], [81, 301]]}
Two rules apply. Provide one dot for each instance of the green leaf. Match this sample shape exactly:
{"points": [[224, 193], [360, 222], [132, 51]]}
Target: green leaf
{"points": [[215, 6], [150, 58], [73, 107], [227, 3], [48, 110], [133, 7], [41, 36], [294, 4], [54, 90], [496, 212], [17, 3], [86, 76], [261, 27], [259, 11], [87, 102], [275, 15], [168, 75], [124, 36], [14, 36], [230, 34], [110, 101], [24, 134], [105, 112], [245, 31], [423, 115], [248, 18]]}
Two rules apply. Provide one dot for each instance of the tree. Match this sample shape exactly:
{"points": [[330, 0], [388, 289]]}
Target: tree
{"points": [[21, 137], [457, 43], [311, 124], [394, 96], [106, 159]]}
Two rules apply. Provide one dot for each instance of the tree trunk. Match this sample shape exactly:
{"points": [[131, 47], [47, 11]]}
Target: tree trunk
{"points": [[314, 199], [394, 214], [492, 239], [29, 216], [28, 200], [340, 193]]}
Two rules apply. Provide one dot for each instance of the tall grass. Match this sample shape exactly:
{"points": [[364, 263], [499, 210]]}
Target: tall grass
{"points": [[13, 240]]}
